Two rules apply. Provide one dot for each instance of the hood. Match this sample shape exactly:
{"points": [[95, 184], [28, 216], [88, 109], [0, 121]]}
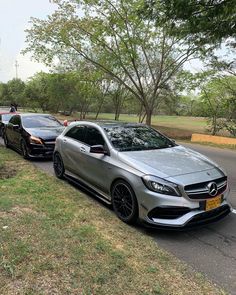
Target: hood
{"points": [[167, 162], [46, 133]]}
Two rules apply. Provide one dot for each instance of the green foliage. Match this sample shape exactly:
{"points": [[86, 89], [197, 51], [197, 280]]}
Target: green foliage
{"points": [[36, 92], [12, 92], [204, 21], [65, 92], [3, 94], [219, 103]]}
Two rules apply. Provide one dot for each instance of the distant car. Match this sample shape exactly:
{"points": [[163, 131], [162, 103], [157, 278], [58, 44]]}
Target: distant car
{"points": [[33, 135], [4, 119], [143, 174]]}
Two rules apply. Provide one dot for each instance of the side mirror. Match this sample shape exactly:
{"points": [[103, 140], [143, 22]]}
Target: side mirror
{"points": [[16, 126], [98, 149]]}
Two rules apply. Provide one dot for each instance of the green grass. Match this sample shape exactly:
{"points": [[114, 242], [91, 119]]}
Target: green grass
{"points": [[195, 124], [176, 127], [56, 240]]}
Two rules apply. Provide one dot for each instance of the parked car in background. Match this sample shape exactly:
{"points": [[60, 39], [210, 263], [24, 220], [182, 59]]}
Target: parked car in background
{"points": [[33, 135], [4, 119], [143, 174]]}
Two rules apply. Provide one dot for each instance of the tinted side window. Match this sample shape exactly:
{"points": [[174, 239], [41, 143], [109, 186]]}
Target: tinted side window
{"points": [[93, 137], [77, 133]]}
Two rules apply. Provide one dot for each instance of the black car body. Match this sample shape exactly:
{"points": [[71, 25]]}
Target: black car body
{"points": [[4, 119], [33, 135]]}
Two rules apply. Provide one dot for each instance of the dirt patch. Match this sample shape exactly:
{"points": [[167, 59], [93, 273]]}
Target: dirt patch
{"points": [[18, 211], [174, 133], [7, 172]]}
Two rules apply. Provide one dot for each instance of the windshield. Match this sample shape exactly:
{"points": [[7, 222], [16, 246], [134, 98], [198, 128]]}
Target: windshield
{"points": [[6, 117], [40, 121], [135, 138]]}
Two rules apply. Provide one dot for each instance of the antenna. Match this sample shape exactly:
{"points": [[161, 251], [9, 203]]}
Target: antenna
{"points": [[17, 66]]}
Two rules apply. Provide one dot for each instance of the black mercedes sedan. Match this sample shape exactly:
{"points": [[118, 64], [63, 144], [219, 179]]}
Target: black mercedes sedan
{"points": [[33, 135]]}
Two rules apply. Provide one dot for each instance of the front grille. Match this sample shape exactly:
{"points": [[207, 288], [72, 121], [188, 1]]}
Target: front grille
{"points": [[199, 191], [168, 212], [49, 144]]}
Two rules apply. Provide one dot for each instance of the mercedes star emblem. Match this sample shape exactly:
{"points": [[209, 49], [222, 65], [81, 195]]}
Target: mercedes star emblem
{"points": [[212, 188]]}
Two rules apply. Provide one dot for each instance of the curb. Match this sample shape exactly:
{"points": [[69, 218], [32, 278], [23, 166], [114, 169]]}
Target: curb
{"points": [[213, 139]]}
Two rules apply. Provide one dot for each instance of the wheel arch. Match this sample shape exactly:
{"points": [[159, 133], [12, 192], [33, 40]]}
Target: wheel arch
{"points": [[122, 179]]}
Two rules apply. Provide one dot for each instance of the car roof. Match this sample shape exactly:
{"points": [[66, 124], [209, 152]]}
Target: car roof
{"points": [[110, 123], [34, 114], [7, 113]]}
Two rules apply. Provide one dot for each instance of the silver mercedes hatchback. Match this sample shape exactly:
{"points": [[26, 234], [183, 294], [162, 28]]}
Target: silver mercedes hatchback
{"points": [[143, 174]]}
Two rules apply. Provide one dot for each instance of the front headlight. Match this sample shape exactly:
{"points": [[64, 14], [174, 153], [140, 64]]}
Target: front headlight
{"points": [[161, 186], [35, 140]]}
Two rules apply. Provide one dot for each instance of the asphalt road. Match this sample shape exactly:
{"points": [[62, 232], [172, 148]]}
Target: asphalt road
{"points": [[211, 249]]}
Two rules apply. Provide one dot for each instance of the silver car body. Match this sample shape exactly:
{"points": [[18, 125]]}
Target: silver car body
{"points": [[189, 170]]}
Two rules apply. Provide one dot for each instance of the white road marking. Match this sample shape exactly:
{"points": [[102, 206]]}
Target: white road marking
{"points": [[234, 211]]}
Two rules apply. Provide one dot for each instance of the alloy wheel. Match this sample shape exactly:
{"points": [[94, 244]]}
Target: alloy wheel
{"points": [[58, 165], [5, 139], [124, 202], [24, 150]]}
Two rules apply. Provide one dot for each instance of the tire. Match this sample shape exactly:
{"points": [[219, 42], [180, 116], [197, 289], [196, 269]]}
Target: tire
{"points": [[58, 166], [124, 202], [24, 151], [6, 141], [1, 131]]}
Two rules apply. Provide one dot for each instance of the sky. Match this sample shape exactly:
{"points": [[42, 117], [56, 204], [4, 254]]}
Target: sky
{"points": [[14, 19]]}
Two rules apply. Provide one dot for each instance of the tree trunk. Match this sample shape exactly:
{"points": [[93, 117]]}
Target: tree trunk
{"points": [[148, 116], [99, 109], [117, 106], [214, 129], [117, 114], [142, 119], [140, 113]]}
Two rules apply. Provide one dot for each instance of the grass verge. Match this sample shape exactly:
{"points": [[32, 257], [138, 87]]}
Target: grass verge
{"points": [[56, 240]]}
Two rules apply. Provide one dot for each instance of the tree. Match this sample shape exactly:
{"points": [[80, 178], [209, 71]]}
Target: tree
{"points": [[104, 86], [36, 91], [119, 95], [112, 37], [15, 91], [204, 21], [219, 101], [3, 94]]}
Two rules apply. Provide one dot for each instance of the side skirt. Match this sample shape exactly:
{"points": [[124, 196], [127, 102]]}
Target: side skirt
{"points": [[77, 181]]}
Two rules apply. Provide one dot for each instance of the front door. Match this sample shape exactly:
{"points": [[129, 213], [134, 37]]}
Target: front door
{"points": [[97, 168]]}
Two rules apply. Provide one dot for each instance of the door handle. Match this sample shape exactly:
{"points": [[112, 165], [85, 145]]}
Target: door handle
{"points": [[64, 140], [82, 149]]}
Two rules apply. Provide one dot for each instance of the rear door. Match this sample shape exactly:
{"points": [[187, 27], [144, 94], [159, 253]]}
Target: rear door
{"points": [[11, 132], [17, 132]]}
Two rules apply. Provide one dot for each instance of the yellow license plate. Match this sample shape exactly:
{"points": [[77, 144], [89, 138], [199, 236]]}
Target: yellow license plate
{"points": [[213, 203]]}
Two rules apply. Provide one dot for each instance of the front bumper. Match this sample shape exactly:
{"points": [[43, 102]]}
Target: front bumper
{"points": [[40, 151], [183, 213]]}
